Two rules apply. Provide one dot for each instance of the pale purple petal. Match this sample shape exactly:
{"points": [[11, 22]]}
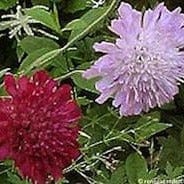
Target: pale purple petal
{"points": [[145, 65], [106, 47]]}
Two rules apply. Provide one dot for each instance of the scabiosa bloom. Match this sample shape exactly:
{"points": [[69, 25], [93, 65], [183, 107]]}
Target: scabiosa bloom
{"points": [[38, 126], [143, 68]]}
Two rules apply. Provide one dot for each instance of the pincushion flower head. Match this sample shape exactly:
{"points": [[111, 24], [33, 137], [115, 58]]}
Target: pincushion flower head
{"points": [[143, 68], [38, 126]]}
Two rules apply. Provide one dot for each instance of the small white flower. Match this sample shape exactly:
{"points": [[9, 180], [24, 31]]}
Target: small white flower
{"points": [[19, 23], [96, 4]]}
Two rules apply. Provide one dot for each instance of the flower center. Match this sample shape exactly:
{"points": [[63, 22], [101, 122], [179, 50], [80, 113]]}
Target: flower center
{"points": [[144, 62]]}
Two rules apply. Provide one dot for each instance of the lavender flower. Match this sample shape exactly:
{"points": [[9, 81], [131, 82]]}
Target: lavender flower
{"points": [[145, 65]]}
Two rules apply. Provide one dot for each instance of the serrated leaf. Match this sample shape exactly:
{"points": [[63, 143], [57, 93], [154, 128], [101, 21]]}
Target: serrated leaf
{"points": [[136, 168]]}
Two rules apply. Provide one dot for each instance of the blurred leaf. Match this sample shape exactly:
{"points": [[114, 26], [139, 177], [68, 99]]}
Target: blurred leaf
{"points": [[153, 3], [169, 106], [182, 136], [83, 101], [74, 6], [169, 169], [40, 2], [15, 179], [119, 175], [3, 71], [46, 58], [136, 168], [172, 172], [172, 152], [5, 4]]}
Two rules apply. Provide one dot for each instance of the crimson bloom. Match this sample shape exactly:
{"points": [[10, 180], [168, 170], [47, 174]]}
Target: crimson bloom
{"points": [[38, 126]]}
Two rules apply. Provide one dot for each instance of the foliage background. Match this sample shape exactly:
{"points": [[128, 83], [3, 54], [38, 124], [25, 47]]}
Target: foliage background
{"points": [[115, 150]]}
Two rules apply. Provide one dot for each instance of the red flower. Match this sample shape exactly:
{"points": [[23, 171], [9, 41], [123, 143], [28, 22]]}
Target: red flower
{"points": [[38, 126]]}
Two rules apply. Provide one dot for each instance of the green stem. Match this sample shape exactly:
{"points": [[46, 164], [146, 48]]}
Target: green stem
{"points": [[69, 74], [101, 142]]}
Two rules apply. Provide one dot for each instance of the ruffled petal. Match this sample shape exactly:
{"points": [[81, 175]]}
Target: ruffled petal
{"points": [[10, 85]]}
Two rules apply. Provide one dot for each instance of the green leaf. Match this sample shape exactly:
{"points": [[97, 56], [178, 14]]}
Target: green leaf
{"points": [[42, 60], [3, 71], [40, 2], [29, 60], [36, 47], [55, 15], [15, 179], [44, 17], [32, 43], [46, 58], [83, 101], [172, 152], [149, 125], [172, 172], [169, 169], [150, 129], [79, 25], [136, 168], [182, 136], [74, 6], [88, 85], [169, 106], [119, 175], [5, 4]]}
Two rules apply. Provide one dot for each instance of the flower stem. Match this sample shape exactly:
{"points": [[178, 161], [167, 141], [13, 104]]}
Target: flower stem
{"points": [[69, 74]]}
